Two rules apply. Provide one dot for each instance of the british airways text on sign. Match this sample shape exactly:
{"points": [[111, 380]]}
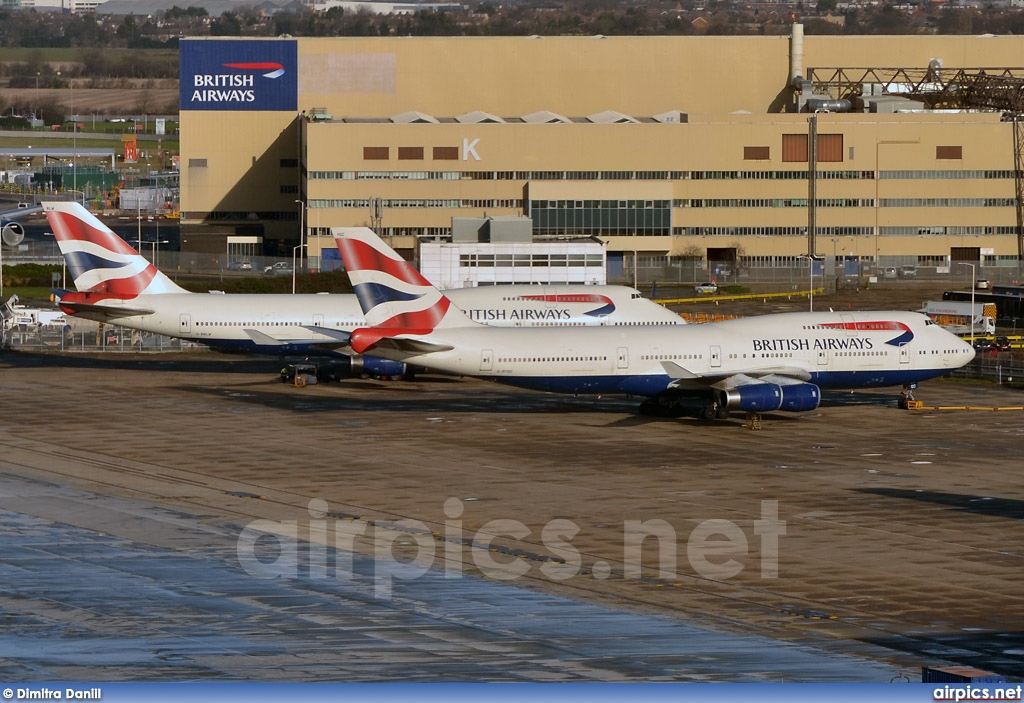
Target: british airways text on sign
{"points": [[239, 75]]}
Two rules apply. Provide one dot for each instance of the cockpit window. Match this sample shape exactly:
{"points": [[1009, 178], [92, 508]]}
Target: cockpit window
{"points": [[929, 322]]}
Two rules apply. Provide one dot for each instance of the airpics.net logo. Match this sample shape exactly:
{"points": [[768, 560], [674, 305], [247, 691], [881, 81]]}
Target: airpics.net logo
{"points": [[326, 547]]}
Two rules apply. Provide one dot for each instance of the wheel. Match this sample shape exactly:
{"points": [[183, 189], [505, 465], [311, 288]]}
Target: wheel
{"points": [[722, 412], [708, 412]]}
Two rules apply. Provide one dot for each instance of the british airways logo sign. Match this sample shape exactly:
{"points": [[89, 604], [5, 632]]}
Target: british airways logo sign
{"points": [[239, 75]]}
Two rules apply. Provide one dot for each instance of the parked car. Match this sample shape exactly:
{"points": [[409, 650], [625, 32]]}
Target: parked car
{"points": [[279, 268], [983, 346], [706, 289], [239, 266], [890, 272], [982, 284], [908, 272], [1003, 344]]}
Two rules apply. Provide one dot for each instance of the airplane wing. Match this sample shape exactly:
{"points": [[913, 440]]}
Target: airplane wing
{"points": [[335, 338], [779, 375], [20, 212]]}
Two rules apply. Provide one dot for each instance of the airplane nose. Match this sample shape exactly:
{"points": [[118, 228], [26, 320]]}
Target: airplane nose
{"points": [[971, 353]]}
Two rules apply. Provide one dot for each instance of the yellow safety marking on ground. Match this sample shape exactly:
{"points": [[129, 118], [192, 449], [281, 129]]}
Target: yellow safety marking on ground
{"points": [[744, 296], [968, 407]]}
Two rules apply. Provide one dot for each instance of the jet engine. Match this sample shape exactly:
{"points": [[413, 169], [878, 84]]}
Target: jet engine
{"points": [[12, 234], [765, 397], [800, 397]]}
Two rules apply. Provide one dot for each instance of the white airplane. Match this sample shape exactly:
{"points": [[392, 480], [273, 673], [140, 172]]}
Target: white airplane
{"points": [[756, 364], [115, 284]]}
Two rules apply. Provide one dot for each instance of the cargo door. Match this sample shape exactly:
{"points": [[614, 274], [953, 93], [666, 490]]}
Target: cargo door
{"points": [[184, 324], [486, 359]]}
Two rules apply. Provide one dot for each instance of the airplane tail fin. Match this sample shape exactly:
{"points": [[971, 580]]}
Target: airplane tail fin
{"points": [[394, 297], [100, 261]]}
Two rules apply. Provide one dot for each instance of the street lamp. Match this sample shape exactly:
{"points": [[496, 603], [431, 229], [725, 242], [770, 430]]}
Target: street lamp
{"points": [[810, 290], [153, 250], [302, 238], [294, 250], [964, 263]]}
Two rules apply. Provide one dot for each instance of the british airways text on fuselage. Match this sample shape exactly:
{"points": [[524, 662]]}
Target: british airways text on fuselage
{"points": [[817, 344], [491, 314]]}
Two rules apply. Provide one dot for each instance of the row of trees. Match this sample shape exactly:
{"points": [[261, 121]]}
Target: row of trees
{"points": [[583, 17], [93, 64]]}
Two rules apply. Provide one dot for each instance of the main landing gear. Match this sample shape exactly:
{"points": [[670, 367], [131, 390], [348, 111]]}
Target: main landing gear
{"points": [[702, 408]]}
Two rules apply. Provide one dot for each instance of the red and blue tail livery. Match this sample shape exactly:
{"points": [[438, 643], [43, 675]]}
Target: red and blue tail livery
{"points": [[394, 297], [102, 265]]}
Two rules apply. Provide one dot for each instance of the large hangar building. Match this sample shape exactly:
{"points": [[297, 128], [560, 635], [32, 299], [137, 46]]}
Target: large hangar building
{"points": [[693, 147]]}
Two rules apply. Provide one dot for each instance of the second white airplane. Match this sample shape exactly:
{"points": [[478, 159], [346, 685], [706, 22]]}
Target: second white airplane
{"points": [[115, 284], [756, 364]]}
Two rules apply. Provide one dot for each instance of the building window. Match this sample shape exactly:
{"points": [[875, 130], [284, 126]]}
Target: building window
{"points": [[596, 217], [756, 153], [376, 153], [794, 148], [289, 163], [949, 152], [410, 153], [446, 153], [197, 163], [289, 190], [830, 148]]}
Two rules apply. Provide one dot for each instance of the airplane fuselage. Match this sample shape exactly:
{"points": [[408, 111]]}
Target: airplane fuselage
{"points": [[287, 324], [831, 350]]}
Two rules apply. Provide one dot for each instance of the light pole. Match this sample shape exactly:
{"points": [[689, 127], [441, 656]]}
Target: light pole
{"points": [[153, 250], [294, 250], [964, 263], [810, 290], [74, 137], [302, 238]]}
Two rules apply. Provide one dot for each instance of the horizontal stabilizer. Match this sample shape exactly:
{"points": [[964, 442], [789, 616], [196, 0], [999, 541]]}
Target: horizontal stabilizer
{"points": [[412, 346], [104, 312]]}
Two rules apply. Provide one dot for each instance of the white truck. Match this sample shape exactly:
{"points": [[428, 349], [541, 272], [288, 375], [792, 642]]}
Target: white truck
{"points": [[957, 316]]}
